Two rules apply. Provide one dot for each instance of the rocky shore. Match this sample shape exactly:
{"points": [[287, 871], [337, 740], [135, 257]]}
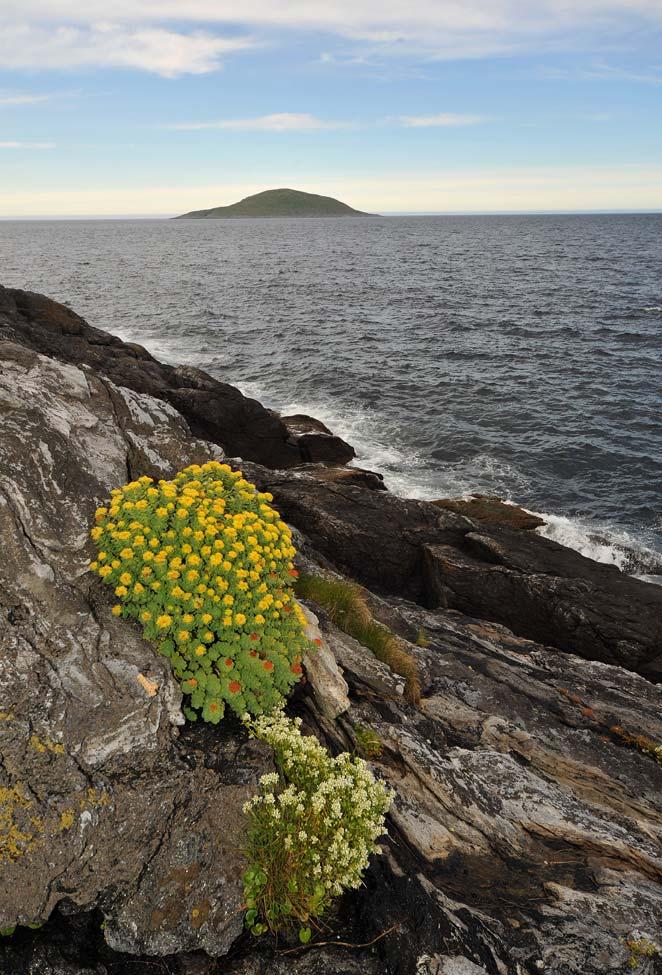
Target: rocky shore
{"points": [[525, 832]]}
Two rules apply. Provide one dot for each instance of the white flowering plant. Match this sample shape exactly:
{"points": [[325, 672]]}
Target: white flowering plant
{"points": [[313, 827]]}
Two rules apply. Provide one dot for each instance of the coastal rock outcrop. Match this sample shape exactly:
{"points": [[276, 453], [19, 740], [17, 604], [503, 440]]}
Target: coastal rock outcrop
{"points": [[214, 410], [98, 809], [526, 825]]}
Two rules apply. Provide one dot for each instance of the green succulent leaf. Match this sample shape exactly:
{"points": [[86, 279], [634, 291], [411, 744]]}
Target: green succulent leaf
{"points": [[204, 563]]}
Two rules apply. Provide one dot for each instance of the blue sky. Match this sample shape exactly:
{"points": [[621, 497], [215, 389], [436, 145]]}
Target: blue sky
{"points": [[149, 107]]}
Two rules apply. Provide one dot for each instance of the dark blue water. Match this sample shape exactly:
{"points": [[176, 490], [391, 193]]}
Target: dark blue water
{"points": [[515, 355]]}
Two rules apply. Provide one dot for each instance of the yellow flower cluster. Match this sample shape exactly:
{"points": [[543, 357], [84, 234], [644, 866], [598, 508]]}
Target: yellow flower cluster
{"points": [[205, 564]]}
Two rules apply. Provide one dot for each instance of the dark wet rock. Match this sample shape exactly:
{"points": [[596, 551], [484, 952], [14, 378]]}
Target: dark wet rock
{"points": [[214, 410], [373, 536], [439, 558], [49, 960], [97, 809], [550, 593], [492, 511], [356, 476], [321, 961], [317, 444]]}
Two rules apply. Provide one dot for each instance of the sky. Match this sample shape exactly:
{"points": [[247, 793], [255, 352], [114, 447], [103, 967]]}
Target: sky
{"points": [[155, 107]]}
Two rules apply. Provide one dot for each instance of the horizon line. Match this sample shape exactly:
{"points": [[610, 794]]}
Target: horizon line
{"points": [[386, 213]]}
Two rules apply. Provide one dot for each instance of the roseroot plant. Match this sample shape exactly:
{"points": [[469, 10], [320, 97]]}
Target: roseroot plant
{"points": [[204, 563], [312, 828]]}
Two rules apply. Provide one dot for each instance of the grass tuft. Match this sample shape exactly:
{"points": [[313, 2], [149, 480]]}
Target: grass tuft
{"points": [[367, 741], [422, 638], [346, 607]]}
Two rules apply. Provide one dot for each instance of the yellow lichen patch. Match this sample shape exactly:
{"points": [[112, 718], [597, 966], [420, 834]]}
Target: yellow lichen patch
{"points": [[642, 742], [6, 716], [22, 827], [200, 914], [43, 745], [16, 835], [67, 819], [94, 798], [641, 949]]}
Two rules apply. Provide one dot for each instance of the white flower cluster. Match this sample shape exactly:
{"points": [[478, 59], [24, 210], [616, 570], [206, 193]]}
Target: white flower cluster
{"points": [[318, 820]]}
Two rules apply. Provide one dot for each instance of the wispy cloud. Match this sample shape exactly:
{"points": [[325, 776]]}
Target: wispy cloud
{"points": [[7, 98], [27, 145], [304, 122], [442, 119], [145, 34], [604, 72], [277, 122], [159, 50]]}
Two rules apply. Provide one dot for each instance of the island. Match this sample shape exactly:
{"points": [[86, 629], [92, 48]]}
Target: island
{"points": [[278, 203]]}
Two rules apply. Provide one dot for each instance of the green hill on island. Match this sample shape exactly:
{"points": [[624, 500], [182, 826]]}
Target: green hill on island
{"points": [[278, 203]]}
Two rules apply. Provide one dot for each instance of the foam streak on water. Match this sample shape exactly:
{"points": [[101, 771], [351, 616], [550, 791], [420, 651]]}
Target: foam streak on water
{"points": [[516, 356]]}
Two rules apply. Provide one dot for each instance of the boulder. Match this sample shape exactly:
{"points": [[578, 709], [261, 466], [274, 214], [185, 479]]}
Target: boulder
{"points": [[551, 593], [316, 442], [98, 806], [214, 410]]}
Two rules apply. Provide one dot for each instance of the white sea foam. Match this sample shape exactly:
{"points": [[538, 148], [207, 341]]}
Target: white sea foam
{"points": [[174, 350], [604, 543]]}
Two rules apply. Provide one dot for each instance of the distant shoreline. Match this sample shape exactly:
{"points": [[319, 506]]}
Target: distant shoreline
{"points": [[383, 214]]}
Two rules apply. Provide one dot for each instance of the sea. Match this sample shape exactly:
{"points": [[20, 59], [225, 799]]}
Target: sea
{"points": [[518, 356]]}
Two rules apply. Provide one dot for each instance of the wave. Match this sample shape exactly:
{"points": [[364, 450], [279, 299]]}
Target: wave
{"points": [[382, 445], [604, 543], [173, 349]]}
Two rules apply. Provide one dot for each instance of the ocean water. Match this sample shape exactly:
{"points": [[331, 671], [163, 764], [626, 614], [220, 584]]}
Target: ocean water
{"points": [[513, 355]]}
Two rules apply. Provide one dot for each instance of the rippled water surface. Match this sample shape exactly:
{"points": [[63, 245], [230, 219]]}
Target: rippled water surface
{"points": [[517, 355]]}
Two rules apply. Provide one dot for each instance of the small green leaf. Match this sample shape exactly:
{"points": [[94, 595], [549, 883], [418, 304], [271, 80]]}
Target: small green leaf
{"points": [[305, 934]]}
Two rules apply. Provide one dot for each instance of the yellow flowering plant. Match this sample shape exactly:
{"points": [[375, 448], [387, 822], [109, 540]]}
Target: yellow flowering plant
{"points": [[204, 563]]}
